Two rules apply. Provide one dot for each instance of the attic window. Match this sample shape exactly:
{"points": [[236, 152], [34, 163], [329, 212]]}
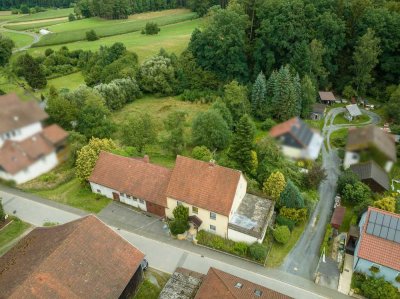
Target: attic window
{"points": [[258, 293], [238, 285]]}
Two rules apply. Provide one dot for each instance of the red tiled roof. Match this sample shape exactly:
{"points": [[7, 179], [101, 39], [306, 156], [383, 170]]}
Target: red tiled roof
{"points": [[18, 155], [80, 259], [284, 127], [14, 113], [338, 216], [135, 177], [379, 250], [55, 134], [204, 185], [221, 285], [326, 96]]}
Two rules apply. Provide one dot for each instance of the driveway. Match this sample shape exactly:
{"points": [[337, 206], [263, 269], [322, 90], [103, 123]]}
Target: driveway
{"points": [[304, 257]]}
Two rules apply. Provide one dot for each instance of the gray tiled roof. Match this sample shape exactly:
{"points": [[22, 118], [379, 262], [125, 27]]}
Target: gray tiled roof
{"points": [[371, 170]]}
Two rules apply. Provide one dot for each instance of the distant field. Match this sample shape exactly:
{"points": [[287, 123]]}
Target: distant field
{"points": [[76, 31], [35, 25], [71, 81], [173, 38], [20, 40], [6, 16], [48, 14]]}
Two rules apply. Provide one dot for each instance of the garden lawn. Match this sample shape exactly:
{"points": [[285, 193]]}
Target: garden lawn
{"points": [[173, 38], [279, 251], [76, 31], [339, 137], [11, 232], [73, 193], [347, 219], [20, 40], [149, 290], [340, 119], [48, 14]]}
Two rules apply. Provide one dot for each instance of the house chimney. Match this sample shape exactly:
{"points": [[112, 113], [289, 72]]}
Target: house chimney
{"points": [[146, 159]]}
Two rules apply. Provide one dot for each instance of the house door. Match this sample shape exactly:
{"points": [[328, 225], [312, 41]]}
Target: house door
{"points": [[115, 196], [155, 209]]}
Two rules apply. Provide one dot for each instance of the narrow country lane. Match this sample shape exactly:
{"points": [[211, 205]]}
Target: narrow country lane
{"points": [[36, 37], [304, 257]]}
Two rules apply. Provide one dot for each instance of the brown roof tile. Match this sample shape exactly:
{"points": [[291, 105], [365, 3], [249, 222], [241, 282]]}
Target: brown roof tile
{"points": [[204, 185], [81, 259], [284, 127], [326, 96], [18, 155], [55, 134], [378, 250], [221, 285], [135, 177], [338, 216], [14, 113], [365, 137]]}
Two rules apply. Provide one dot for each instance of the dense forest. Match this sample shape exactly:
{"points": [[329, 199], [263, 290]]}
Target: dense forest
{"points": [[9, 4]]}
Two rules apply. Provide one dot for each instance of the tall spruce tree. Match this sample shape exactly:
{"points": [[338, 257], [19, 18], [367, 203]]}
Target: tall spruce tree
{"points": [[258, 97], [242, 144], [308, 94]]}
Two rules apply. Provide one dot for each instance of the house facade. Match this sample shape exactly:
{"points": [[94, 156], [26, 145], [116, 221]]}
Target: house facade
{"points": [[297, 139], [378, 247], [27, 149], [318, 111]]}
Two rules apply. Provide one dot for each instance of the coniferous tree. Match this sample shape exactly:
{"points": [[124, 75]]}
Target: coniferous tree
{"points": [[308, 96], [258, 97], [242, 145], [291, 197]]}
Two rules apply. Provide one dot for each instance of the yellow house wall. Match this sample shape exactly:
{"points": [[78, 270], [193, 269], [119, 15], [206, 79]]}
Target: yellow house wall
{"points": [[221, 221]]}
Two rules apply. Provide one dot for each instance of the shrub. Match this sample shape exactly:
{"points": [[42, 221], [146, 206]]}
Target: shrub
{"points": [[386, 203], [347, 177], [48, 52], [281, 220], [202, 153], [48, 177], [181, 213], [91, 35], [268, 124], [71, 17], [296, 215], [2, 213], [178, 226], [241, 248], [376, 288], [258, 252], [356, 194], [291, 196], [281, 234], [151, 28]]}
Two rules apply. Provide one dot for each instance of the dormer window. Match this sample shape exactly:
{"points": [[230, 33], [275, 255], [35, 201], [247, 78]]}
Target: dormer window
{"points": [[257, 293], [239, 285]]}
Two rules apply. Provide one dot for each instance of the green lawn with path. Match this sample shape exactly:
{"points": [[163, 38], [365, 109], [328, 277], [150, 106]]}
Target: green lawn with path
{"points": [[340, 119], [76, 31], [20, 40], [11, 232], [173, 38]]}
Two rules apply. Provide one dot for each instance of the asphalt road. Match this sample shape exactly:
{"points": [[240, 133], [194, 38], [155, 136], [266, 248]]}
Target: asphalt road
{"points": [[304, 257], [164, 253]]}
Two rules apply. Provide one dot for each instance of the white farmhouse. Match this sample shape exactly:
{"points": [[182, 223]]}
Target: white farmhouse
{"points": [[27, 150]]}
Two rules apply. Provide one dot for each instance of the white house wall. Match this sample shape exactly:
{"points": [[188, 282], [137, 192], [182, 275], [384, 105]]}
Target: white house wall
{"points": [[21, 133], [240, 237], [350, 158], [315, 146], [292, 152], [36, 169], [108, 192], [221, 221], [239, 195]]}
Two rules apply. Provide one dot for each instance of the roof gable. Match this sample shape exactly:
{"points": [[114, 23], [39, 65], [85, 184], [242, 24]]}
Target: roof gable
{"points": [[80, 259], [204, 185]]}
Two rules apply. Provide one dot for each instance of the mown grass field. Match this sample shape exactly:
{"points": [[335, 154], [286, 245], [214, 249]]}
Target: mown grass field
{"points": [[70, 82], [36, 25], [340, 119], [173, 38], [48, 14], [20, 40], [76, 31]]}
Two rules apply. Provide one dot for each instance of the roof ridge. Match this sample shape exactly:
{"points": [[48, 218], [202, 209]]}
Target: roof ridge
{"points": [[223, 282]]}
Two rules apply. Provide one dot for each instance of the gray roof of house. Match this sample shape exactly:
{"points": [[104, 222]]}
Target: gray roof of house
{"points": [[252, 215], [318, 108], [353, 110], [183, 284], [302, 132], [371, 170]]}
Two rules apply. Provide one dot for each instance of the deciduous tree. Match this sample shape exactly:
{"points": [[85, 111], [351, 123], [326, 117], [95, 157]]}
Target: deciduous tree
{"points": [[274, 185], [6, 46], [175, 138], [139, 131], [386, 203], [281, 234]]}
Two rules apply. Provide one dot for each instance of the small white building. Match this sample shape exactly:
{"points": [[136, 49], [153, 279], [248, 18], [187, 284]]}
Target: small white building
{"points": [[352, 112], [297, 139], [44, 31], [27, 150]]}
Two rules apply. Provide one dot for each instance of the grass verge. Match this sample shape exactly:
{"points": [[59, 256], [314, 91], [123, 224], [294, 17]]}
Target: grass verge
{"points": [[278, 251], [11, 232]]}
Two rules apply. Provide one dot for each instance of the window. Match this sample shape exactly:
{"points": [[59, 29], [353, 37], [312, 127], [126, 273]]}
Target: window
{"points": [[374, 268], [195, 210], [213, 228], [141, 201], [122, 194], [238, 285], [134, 198], [178, 203], [128, 196], [213, 216], [258, 293], [98, 191]]}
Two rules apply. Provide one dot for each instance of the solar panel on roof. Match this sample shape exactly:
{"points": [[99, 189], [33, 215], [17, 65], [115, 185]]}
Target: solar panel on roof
{"points": [[379, 219], [384, 232], [386, 220], [398, 224], [372, 216], [390, 235], [397, 236], [370, 228], [393, 223]]}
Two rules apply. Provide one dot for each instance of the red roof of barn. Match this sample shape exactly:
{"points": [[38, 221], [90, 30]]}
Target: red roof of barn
{"points": [[376, 249], [55, 134], [338, 216], [326, 96]]}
